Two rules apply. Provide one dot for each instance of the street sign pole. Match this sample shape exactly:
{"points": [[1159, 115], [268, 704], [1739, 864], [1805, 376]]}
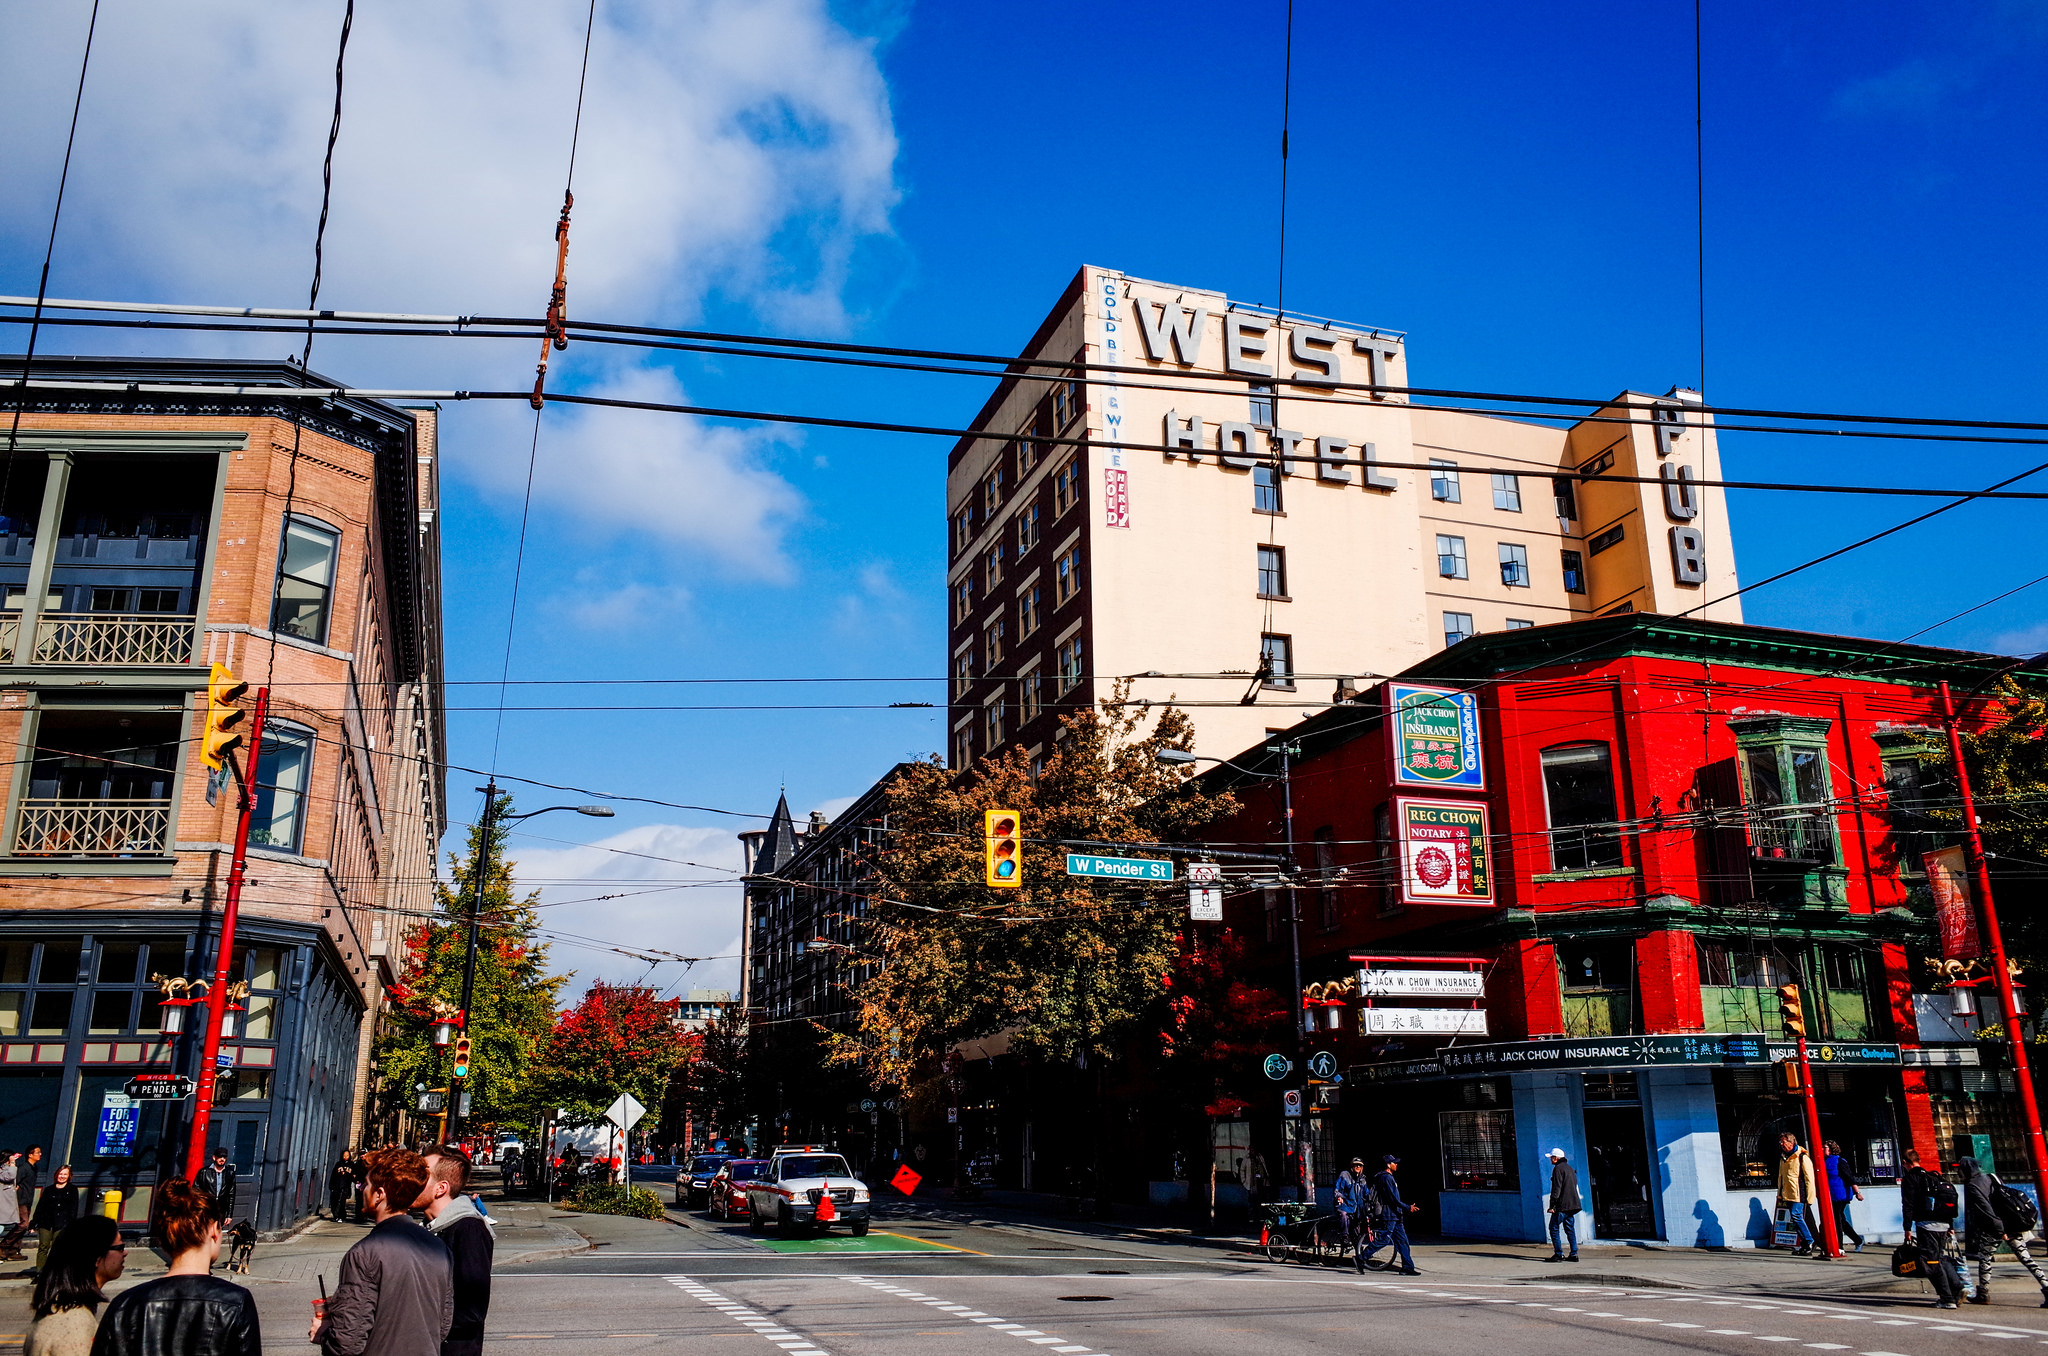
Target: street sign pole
{"points": [[1825, 1205]]}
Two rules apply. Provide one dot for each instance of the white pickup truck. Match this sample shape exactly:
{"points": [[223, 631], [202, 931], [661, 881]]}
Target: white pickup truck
{"points": [[789, 1192]]}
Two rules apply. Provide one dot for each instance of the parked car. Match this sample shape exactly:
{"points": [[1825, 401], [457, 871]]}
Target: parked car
{"points": [[693, 1179], [727, 1190], [789, 1191]]}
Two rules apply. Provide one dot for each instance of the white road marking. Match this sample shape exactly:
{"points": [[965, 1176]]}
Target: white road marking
{"points": [[747, 1318]]}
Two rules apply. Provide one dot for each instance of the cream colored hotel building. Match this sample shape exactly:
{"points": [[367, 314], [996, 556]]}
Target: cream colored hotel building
{"points": [[1294, 519]]}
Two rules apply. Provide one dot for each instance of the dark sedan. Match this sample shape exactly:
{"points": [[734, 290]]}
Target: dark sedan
{"points": [[693, 1179]]}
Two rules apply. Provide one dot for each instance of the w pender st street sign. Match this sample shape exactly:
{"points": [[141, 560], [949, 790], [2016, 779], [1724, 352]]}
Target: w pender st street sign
{"points": [[1118, 868]]}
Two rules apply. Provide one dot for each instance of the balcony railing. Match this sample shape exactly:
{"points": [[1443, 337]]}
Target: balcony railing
{"points": [[109, 638], [93, 828], [1791, 834]]}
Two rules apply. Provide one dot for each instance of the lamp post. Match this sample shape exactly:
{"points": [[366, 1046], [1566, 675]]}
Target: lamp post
{"points": [[1288, 751], [488, 826]]}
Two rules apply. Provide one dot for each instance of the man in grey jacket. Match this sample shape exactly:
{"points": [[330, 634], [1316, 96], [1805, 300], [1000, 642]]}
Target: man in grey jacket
{"points": [[395, 1295], [1564, 1209]]}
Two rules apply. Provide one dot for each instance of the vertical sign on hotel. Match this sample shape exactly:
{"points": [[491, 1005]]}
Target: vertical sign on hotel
{"points": [[1116, 479]]}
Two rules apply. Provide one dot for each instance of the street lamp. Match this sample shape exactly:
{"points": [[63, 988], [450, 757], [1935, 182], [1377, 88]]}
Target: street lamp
{"points": [[476, 906]]}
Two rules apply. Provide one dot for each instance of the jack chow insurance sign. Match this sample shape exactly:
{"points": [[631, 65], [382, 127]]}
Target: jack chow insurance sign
{"points": [[1435, 736], [1446, 857]]}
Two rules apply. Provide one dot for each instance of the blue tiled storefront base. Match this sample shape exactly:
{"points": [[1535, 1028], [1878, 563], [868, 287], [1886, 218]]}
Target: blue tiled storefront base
{"points": [[1693, 1206]]}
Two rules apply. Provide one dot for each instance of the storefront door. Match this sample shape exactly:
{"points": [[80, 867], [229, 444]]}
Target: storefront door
{"points": [[1618, 1162]]}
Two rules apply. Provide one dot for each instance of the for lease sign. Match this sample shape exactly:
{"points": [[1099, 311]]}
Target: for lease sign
{"points": [[1446, 857]]}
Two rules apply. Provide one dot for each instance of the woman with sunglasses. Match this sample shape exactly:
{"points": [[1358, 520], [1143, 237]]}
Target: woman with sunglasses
{"points": [[85, 1258]]}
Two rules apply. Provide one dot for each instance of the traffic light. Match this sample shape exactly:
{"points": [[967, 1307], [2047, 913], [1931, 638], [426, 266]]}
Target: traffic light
{"points": [[1003, 830], [462, 1057], [1788, 1076], [223, 716], [1790, 1010]]}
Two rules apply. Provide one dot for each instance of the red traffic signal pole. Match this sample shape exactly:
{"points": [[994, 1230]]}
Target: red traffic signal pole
{"points": [[2008, 1005], [1824, 1229], [217, 991]]}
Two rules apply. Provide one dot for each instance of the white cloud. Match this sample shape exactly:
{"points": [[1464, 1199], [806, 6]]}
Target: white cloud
{"points": [[696, 920], [734, 149]]}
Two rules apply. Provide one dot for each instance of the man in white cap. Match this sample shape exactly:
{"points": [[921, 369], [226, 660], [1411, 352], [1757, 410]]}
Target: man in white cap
{"points": [[1564, 1209]]}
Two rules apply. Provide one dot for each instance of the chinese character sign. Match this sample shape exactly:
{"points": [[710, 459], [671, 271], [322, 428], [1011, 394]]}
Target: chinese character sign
{"points": [[1434, 734], [1446, 857]]}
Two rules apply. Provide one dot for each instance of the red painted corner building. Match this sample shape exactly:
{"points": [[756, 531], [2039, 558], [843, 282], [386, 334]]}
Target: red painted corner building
{"points": [[1636, 829]]}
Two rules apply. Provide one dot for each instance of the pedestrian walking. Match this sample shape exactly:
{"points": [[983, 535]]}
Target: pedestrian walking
{"points": [[10, 1207], [395, 1295], [1928, 1202], [24, 1200], [341, 1186], [1353, 1194], [456, 1220], [66, 1303], [1798, 1190], [1988, 1223], [1840, 1191], [56, 1207], [187, 1311], [1564, 1209], [217, 1179], [1394, 1214]]}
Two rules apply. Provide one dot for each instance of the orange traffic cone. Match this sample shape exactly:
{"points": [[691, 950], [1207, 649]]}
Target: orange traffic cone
{"points": [[826, 1211]]}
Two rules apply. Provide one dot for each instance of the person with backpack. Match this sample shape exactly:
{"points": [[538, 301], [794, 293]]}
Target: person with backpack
{"points": [[1995, 1213], [1928, 1201], [1840, 1190]]}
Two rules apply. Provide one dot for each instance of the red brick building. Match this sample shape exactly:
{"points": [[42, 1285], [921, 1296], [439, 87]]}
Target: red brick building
{"points": [[1672, 818]]}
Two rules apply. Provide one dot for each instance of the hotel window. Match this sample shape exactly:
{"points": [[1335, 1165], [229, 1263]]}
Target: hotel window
{"points": [[1611, 537], [1028, 616], [1574, 571], [1025, 451], [963, 671], [992, 645], [1066, 403], [1564, 490], [1272, 572], [1578, 786], [1276, 655], [1066, 573], [1030, 697], [282, 774], [963, 599], [1457, 627], [1507, 492], [1070, 663], [992, 568], [1595, 465], [963, 746], [1265, 489], [1450, 557], [1261, 404], [305, 580], [1519, 624], [1027, 527], [992, 722], [1066, 486], [992, 493], [963, 529], [1443, 481], [1514, 565]]}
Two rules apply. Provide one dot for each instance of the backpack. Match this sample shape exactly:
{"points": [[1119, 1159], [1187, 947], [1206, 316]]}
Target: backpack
{"points": [[2015, 1208], [1941, 1199]]}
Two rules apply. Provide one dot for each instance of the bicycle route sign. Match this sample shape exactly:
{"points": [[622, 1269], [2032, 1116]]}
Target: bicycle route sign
{"points": [[1277, 1066]]}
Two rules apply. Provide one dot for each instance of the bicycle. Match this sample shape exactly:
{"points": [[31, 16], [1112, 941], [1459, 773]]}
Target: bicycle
{"points": [[1289, 1230]]}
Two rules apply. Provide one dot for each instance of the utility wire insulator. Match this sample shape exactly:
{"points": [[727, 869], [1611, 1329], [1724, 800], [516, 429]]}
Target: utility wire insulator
{"points": [[556, 332]]}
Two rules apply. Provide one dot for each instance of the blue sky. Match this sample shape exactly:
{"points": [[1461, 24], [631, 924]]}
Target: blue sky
{"points": [[1512, 186]]}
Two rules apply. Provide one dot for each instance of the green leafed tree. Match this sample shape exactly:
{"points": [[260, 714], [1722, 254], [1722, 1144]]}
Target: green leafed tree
{"points": [[513, 1005], [1063, 965], [718, 1076]]}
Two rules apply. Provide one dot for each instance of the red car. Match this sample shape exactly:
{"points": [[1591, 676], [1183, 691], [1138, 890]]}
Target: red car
{"points": [[728, 1190]]}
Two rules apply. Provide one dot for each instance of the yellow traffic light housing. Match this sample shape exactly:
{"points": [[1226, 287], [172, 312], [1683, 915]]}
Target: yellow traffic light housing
{"points": [[461, 1057], [224, 692], [1788, 1076], [1790, 1009], [1003, 831]]}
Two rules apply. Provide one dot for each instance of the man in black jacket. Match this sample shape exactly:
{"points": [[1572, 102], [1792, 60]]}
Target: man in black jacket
{"points": [[217, 1179], [455, 1220], [1931, 1228], [1564, 1208], [1394, 1213], [1985, 1227]]}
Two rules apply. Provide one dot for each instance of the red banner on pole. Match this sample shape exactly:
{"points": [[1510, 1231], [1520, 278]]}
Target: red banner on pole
{"points": [[1954, 912]]}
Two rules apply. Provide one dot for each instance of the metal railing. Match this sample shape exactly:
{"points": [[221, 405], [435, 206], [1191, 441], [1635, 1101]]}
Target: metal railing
{"points": [[60, 827], [1793, 835], [113, 638]]}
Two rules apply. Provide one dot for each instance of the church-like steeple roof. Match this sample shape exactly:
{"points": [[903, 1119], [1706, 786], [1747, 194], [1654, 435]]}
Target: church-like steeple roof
{"points": [[780, 844]]}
